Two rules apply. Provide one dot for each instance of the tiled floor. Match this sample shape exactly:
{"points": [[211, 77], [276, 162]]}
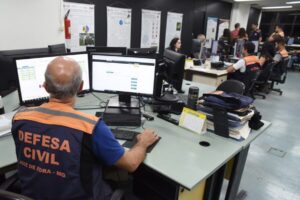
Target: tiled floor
{"points": [[268, 176]]}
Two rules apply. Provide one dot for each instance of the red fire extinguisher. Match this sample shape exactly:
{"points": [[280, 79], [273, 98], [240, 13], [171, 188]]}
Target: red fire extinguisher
{"points": [[67, 26]]}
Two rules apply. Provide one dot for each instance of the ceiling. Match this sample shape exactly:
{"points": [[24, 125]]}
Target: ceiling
{"points": [[263, 3]]}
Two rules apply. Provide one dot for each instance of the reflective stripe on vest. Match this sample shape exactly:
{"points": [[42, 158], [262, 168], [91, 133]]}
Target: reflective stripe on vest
{"points": [[250, 60], [60, 117]]}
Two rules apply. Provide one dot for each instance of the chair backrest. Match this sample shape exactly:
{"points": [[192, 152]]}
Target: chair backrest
{"points": [[5, 195], [265, 74], [232, 86], [251, 82], [280, 71]]}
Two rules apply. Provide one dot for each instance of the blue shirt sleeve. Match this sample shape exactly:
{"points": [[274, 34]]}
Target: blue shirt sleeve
{"points": [[105, 146]]}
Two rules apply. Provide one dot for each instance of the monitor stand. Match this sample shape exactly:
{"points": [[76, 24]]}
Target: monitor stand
{"points": [[124, 101]]}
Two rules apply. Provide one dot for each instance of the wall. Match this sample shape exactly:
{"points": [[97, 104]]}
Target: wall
{"points": [[30, 23], [239, 14], [193, 19]]}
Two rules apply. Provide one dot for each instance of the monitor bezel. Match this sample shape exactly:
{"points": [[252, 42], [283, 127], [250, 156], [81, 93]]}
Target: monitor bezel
{"points": [[38, 101], [121, 92]]}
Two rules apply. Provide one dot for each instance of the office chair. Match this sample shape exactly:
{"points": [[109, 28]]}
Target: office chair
{"points": [[57, 48], [232, 86], [5, 195], [262, 84], [249, 91], [279, 75]]}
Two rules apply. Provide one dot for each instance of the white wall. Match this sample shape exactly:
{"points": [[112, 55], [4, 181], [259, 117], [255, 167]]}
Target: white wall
{"points": [[240, 14], [30, 23]]}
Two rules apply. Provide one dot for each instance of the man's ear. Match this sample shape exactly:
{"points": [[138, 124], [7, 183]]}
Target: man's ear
{"points": [[81, 86], [45, 86]]}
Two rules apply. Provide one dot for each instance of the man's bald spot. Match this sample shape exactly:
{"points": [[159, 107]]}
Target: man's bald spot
{"points": [[63, 70]]}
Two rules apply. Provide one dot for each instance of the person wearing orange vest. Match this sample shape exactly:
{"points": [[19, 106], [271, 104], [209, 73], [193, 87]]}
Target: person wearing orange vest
{"points": [[61, 151], [278, 33], [248, 62], [281, 51]]}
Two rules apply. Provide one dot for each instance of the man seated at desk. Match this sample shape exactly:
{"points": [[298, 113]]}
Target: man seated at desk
{"points": [[248, 61], [61, 151]]}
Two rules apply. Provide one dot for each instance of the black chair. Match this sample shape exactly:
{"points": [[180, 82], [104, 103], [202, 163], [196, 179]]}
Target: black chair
{"points": [[232, 86], [249, 91], [57, 48], [5, 195], [279, 75], [262, 84]]}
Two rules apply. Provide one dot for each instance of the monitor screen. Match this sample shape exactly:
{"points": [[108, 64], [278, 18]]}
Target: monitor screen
{"points": [[116, 51], [120, 74], [31, 73], [214, 47], [256, 43]]}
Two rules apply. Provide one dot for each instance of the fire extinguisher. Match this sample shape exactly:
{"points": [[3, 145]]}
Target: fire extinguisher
{"points": [[67, 26]]}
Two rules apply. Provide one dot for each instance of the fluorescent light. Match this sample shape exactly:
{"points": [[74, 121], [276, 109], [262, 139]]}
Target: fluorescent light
{"points": [[276, 7], [292, 2], [244, 0]]}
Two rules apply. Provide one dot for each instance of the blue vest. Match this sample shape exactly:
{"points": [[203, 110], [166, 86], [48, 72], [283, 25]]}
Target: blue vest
{"points": [[54, 152]]}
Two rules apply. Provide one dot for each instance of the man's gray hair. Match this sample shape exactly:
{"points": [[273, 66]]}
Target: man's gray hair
{"points": [[63, 91]]}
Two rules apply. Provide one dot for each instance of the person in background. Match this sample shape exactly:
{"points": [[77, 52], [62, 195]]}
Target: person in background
{"points": [[235, 32], [246, 63], [175, 45], [281, 52], [225, 42], [278, 32], [243, 34], [267, 54], [255, 34], [242, 38]]}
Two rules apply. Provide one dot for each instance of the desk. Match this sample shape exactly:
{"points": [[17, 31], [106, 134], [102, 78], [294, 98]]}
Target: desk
{"points": [[204, 74], [178, 157], [292, 47]]}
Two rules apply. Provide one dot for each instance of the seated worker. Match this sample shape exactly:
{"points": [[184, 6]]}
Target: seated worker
{"points": [[281, 52], [175, 45], [197, 44], [61, 151], [278, 32], [224, 43], [267, 54], [249, 63]]}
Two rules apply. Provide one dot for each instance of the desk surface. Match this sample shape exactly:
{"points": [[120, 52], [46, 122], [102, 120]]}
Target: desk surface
{"points": [[177, 156], [204, 69]]}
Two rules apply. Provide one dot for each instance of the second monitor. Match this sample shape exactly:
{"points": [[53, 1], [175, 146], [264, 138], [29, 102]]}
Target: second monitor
{"points": [[124, 76]]}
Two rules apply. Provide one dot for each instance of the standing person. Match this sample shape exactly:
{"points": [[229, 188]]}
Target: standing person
{"points": [[235, 32], [60, 151], [175, 45], [278, 32], [255, 34], [243, 34]]}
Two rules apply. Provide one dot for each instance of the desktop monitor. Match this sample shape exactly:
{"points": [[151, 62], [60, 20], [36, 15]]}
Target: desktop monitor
{"points": [[291, 41], [142, 51], [214, 47], [31, 77], [124, 76], [57, 48], [196, 45], [175, 68], [117, 51]]}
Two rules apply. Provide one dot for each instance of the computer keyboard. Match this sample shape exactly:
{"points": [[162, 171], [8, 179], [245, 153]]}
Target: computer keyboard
{"points": [[121, 134]]}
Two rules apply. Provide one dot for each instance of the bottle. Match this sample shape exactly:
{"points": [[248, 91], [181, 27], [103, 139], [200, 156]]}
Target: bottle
{"points": [[1, 106], [193, 97]]}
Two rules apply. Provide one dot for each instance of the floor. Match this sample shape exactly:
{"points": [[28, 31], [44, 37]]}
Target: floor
{"points": [[272, 169]]}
